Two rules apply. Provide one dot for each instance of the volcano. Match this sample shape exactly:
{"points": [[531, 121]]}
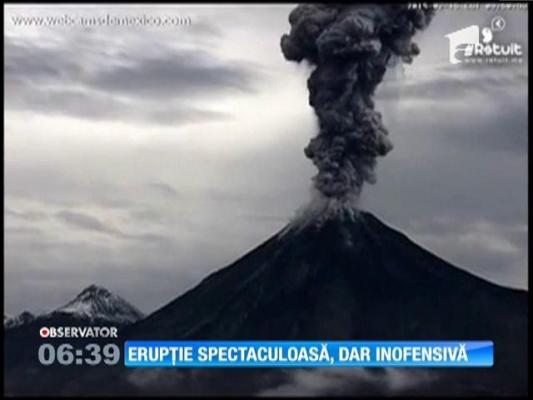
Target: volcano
{"points": [[351, 277]]}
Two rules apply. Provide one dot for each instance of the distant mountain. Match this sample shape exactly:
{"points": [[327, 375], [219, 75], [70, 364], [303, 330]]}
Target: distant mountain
{"points": [[23, 318], [91, 306], [96, 303]]}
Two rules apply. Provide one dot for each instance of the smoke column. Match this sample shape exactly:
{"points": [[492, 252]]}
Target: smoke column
{"points": [[350, 47]]}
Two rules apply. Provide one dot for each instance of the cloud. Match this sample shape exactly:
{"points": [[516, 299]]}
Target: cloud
{"points": [[49, 260], [126, 82], [23, 231], [447, 84], [496, 251], [163, 188], [27, 62], [319, 382], [486, 236], [85, 221], [179, 73], [88, 222], [83, 104], [28, 215]]}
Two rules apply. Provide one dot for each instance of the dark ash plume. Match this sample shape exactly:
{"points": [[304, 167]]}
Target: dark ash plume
{"points": [[351, 47]]}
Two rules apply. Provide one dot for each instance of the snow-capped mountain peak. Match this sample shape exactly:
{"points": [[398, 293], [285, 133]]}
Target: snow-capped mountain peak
{"points": [[97, 303]]}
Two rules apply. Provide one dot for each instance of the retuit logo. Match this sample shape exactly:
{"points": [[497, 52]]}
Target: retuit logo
{"points": [[466, 46]]}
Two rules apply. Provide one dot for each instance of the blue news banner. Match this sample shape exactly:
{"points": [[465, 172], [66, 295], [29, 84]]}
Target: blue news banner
{"points": [[287, 354]]}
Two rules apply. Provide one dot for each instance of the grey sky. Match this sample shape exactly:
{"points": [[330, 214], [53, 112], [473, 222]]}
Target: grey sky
{"points": [[143, 158]]}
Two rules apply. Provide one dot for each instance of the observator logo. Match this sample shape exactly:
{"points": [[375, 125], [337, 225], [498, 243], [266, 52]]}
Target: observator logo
{"points": [[79, 332], [466, 46]]}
